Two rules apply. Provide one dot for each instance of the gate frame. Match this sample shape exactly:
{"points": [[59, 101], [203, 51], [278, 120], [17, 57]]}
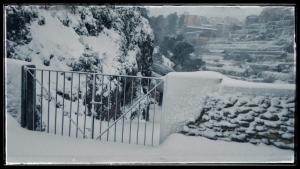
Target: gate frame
{"points": [[28, 98]]}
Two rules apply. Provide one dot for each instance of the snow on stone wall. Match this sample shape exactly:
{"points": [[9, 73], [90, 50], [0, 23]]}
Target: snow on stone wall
{"points": [[13, 81], [184, 93]]}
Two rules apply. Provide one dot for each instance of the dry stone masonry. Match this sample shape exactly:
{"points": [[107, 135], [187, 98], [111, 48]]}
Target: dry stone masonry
{"points": [[245, 118]]}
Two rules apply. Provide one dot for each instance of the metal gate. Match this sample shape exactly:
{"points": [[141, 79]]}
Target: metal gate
{"points": [[119, 108]]}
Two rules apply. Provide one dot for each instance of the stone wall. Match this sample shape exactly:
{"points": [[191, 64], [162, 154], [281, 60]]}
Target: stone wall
{"points": [[246, 118]]}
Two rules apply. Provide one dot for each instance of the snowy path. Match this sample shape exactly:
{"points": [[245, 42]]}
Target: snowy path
{"points": [[26, 146]]}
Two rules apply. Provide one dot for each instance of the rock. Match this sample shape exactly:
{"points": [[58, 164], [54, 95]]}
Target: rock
{"points": [[259, 110], [201, 128], [278, 106], [290, 129], [241, 103], [258, 100], [273, 132], [283, 98], [284, 112], [266, 104], [284, 128], [254, 141], [226, 125], [241, 129], [283, 145], [269, 116], [250, 131], [185, 129], [290, 122], [230, 102], [244, 123], [239, 138], [287, 136], [192, 126], [290, 100], [275, 101], [273, 110], [243, 110], [247, 118], [210, 135], [284, 119], [208, 125], [219, 134], [216, 117], [228, 105], [266, 141], [290, 105], [260, 128], [291, 110], [205, 118], [232, 115], [272, 124], [252, 104], [259, 121], [226, 113]]}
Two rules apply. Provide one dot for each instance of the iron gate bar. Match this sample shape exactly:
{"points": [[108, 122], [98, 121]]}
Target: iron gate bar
{"points": [[77, 105], [137, 133], [108, 105], [56, 84], [153, 115], [105, 74], [146, 113], [85, 105], [93, 107], [42, 72], [48, 102], [100, 117], [116, 107], [71, 104], [130, 109], [123, 107], [63, 110]]}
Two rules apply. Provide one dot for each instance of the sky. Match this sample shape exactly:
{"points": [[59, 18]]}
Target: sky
{"points": [[239, 12]]}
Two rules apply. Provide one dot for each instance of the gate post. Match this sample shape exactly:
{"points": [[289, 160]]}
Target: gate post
{"points": [[28, 95]]}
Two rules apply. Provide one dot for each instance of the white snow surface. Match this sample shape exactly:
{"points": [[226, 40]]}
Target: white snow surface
{"points": [[230, 85], [27, 147]]}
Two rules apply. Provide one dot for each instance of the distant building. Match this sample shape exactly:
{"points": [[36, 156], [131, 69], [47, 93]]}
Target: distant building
{"points": [[200, 34], [195, 20]]}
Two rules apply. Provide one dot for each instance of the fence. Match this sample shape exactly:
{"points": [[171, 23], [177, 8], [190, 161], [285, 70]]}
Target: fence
{"points": [[92, 105]]}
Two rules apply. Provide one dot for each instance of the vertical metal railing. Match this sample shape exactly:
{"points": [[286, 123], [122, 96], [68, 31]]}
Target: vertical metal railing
{"points": [[126, 104]]}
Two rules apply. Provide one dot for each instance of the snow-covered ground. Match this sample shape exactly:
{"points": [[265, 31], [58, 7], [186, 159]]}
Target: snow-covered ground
{"points": [[24, 146]]}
